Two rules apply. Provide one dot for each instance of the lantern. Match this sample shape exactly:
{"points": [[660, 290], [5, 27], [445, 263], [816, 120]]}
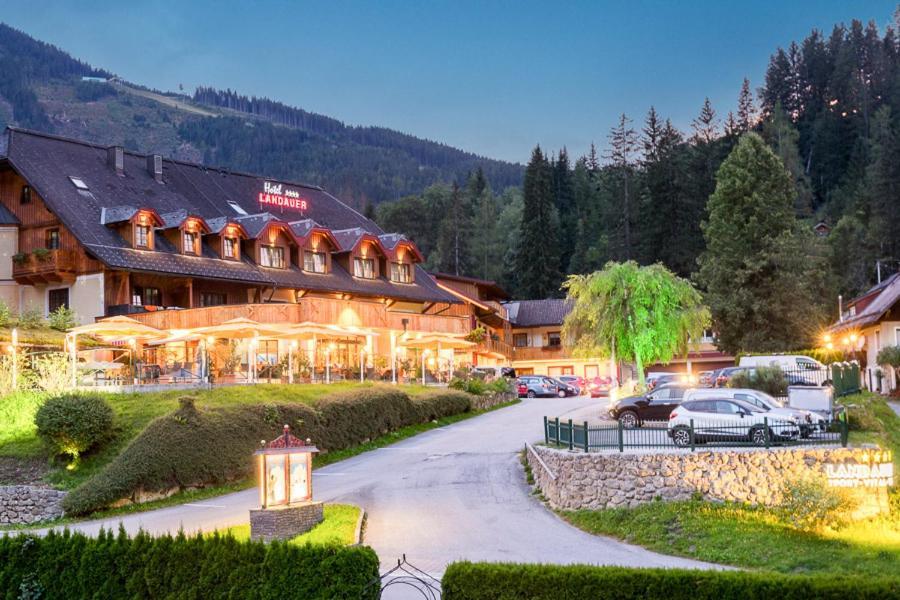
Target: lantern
{"points": [[285, 471]]}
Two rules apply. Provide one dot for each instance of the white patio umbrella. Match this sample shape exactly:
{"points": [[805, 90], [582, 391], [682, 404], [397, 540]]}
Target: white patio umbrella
{"points": [[437, 342], [243, 328], [119, 328]]}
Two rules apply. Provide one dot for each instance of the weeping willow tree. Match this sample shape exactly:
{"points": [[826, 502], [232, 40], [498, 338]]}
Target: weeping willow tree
{"points": [[642, 315]]}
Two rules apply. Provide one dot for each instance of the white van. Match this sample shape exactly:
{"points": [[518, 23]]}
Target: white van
{"points": [[794, 365]]}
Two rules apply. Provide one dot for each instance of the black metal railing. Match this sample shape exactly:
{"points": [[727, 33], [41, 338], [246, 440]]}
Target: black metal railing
{"points": [[691, 434]]}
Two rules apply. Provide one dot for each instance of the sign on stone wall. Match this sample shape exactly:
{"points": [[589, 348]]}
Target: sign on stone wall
{"points": [[873, 469]]}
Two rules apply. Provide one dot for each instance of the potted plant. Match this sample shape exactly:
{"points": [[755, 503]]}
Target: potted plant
{"points": [[42, 254], [476, 335], [20, 258]]}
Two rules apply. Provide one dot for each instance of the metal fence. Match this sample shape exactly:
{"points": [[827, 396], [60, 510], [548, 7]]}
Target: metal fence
{"points": [[692, 434]]}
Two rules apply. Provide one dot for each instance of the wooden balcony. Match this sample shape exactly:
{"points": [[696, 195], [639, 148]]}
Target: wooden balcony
{"points": [[57, 266], [495, 348], [540, 353], [347, 313]]}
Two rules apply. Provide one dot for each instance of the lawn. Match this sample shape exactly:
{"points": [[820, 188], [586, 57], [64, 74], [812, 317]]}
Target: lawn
{"points": [[338, 527], [762, 538], [18, 437]]}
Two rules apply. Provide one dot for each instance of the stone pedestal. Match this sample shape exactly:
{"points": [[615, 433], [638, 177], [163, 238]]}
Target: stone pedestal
{"points": [[284, 522]]}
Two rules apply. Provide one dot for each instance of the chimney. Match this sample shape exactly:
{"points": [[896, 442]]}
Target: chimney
{"points": [[154, 166], [116, 159]]}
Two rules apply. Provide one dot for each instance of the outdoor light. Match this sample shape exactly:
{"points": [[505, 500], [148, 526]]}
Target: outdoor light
{"points": [[827, 337], [853, 337], [284, 467], [830, 346]]}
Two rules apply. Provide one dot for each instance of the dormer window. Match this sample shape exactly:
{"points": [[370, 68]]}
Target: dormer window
{"points": [[25, 198], [230, 247], [142, 235], [271, 256], [364, 268], [401, 273], [314, 262], [191, 242]]}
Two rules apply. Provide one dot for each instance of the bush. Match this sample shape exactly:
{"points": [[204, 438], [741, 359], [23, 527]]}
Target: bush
{"points": [[62, 319], [487, 581], [30, 318], [770, 380], [52, 371], [192, 447], [812, 506], [73, 424], [72, 565], [5, 314]]}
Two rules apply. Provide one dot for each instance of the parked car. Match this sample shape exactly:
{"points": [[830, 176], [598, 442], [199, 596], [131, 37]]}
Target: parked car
{"points": [[801, 367], [705, 378], [727, 418], [656, 405], [565, 389], [599, 386], [574, 380], [534, 386], [654, 381], [808, 421], [494, 372], [727, 373], [723, 375]]}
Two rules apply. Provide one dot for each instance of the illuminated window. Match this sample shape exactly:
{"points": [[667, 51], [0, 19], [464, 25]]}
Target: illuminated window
{"points": [[230, 247], [25, 198], [52, 239], [401, 273], [271, 256], [364, 268], [142, 236], [314, 262], [520, 340], [190, 240]]}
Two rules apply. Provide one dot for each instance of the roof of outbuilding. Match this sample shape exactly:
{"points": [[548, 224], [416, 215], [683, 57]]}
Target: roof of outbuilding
{"points": [[886, 294], [535, 313], [47, 162]]}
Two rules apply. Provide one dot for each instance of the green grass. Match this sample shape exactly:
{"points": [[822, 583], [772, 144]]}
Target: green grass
{"points": [[748, 537], [338, 527], [134, 411], [872, 421]]}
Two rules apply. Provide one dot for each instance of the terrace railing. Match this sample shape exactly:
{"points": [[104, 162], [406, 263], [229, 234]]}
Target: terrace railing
{"points": [[695, 434]]}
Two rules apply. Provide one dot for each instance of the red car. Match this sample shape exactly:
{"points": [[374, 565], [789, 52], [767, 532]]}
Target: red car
{"points": [[599, 386]]}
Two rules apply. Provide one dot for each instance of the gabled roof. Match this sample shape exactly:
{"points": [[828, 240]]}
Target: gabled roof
{"points": [[349, 239], [47, 162], [392, 241], [879, 300], [491, 287], [217, 224], [7, 218], [536, 313]]}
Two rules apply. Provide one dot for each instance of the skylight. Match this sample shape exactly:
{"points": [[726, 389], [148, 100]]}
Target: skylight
{"points": [[79, 183], [237, 207]]}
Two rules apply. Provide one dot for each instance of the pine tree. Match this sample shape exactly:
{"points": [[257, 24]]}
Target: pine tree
{"points": [[763, 273], [782, 137], [487, 244], [590, 251], [705, 126], [564, 200], [454, 234], [538, 257], [746, 110], [622, 146]]}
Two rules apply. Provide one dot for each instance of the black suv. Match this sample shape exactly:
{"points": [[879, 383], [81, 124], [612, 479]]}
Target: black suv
{"points": [[653, 406]]}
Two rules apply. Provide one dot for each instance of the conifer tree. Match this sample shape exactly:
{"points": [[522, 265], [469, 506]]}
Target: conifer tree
{"points": [[454, 234], [622, 146], [563, 198], [746, 110], [538, 256]]}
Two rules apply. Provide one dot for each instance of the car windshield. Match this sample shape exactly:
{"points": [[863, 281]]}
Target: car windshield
{"points": [[770, 400]]}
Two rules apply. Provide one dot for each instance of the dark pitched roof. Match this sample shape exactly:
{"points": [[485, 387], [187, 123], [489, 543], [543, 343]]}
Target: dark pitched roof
{"points": [[47, 162], [879, 300], [492, 288], [535, 313], [348, 238], [302, 227]]}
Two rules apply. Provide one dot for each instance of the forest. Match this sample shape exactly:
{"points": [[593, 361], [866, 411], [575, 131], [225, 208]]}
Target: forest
{"points": [[829, 109]]}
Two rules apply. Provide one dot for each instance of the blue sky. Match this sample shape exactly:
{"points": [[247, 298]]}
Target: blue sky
{"points": [[490, 77]]}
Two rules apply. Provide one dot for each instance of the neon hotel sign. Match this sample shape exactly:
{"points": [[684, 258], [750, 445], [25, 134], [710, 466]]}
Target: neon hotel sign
{"points": [[277, 194]]}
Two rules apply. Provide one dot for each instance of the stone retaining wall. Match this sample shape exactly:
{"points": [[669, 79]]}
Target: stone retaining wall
{"points": [[25, 504], [575, 480], [486, 401]]}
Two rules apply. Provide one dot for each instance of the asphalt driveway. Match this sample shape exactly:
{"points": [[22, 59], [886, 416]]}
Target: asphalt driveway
{"points": [[456, 492]]}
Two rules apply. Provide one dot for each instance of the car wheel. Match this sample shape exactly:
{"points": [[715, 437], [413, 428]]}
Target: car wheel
{"points": [[561, 393], [758, 436], [805, 432], [681, 436], [629, 419], [531, 394]]}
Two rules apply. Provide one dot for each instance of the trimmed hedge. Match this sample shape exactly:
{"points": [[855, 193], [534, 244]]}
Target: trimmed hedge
{"points": [[72, 565], [492, 581], [192, 447]]}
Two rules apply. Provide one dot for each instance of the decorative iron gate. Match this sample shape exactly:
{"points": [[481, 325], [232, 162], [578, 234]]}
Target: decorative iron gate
{"points": [[405, 575]]}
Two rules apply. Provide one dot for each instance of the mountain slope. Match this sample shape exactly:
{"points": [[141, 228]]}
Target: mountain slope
{"points": [[41, 87]]}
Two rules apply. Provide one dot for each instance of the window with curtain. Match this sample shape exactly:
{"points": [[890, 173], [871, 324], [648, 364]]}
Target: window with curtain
{"points": [[314, 262], [191, 243], [401, 273], [271, 256], [142, 236], [230, 247], [364, 268]]}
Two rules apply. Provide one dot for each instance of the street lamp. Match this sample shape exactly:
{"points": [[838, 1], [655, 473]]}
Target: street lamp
{"points": [[328, 350], [424, 355], [362, 364], [291, 361]]}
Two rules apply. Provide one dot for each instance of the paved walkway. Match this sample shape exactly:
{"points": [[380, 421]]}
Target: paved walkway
{"points": [[456, 492], [895, 406]]}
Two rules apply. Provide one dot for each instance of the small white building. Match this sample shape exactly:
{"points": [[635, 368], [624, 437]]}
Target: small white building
{"points": [[874, 320]]}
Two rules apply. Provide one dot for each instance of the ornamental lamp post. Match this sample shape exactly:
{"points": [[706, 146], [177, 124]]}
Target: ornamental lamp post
{"points": [[284, 471]]}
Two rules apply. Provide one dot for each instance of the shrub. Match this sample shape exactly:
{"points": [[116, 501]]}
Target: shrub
{"points": [[812, 506], [5, 314], [487, 581], [19, 258], [30, 318], [193, 446], [42, 254], [52, 371], [889, 356], [770, 380], [62, 319], [472, 385], [72, 565], [73, 424]]}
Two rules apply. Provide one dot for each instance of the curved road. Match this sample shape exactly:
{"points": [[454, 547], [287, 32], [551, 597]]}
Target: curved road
{"points": [[456, 492]]}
